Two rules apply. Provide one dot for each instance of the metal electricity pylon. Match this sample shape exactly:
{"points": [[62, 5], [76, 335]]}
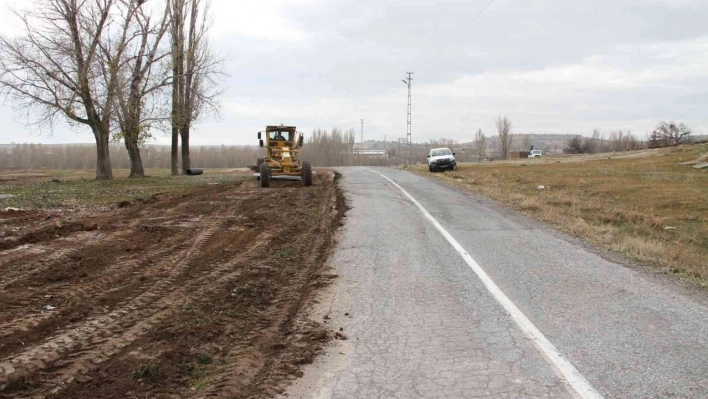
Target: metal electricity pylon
{"points": [[408, 81]]}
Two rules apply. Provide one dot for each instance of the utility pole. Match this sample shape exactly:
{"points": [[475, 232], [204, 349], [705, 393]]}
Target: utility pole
{"points": [[409, 120]]}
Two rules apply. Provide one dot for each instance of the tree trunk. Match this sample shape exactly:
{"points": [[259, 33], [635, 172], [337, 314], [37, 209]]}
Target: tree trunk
{"points": [[136, 162], [175, 153], [104, 171], [177, 79], [176, 118], [186, 161]]}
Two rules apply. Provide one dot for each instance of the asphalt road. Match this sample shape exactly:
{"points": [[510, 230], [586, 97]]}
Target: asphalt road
{"points": [[422, 324]]}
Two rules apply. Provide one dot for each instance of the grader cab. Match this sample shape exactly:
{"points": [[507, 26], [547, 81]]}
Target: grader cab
{"points": [[282, 156]]}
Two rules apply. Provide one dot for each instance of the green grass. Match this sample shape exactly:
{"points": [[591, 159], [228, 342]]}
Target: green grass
{"points": [[199, 384], [285, 254], [643, 204], [146, 371], [36, 189], [313, 212], [204, 358]]}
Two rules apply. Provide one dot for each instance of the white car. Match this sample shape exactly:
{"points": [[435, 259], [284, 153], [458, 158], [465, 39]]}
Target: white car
{"points": [[441, 159], [536, 154]]}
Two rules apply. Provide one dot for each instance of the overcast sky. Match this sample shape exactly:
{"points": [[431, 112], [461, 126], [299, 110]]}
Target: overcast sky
{"points": [[552, 66]]}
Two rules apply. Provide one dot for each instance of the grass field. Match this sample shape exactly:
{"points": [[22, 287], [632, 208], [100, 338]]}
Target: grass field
{"points": [[642, 204], [73, 188]]}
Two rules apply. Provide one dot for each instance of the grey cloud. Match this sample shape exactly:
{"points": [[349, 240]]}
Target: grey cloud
{"points": [[357, 48], [562, 66]]}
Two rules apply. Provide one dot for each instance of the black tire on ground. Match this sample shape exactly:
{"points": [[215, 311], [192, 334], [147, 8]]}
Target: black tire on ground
{"points": [[306, 174], [265, 175], [259, 161], [430, 168]]}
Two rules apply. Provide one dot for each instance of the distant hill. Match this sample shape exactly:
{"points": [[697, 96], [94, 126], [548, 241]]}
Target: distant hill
{"points": [[548, 143]]}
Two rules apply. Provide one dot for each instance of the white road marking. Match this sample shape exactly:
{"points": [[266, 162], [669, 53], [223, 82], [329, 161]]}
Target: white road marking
{"points": [[571, 374]]}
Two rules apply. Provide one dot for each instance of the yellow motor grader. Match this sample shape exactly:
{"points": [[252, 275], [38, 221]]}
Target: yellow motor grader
{"points": [[282, 145]]}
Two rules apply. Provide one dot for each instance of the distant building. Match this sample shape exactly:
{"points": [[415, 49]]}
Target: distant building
{"points": [[370, 153]]}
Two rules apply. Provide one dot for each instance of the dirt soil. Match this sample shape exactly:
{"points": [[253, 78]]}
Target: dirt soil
{"points": [[202, 294]]}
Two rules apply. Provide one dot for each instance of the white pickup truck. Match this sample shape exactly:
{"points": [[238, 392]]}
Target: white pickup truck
{"points": [[441, 159], [535, 154]]}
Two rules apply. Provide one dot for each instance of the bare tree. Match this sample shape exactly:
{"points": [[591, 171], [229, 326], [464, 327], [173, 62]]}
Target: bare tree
{"points": [[574, 145], [503, 125], [656, 140], [671, 133], [141, 80], [480, 144], [593, 143], [333, 148], [526, 143], [623, 141], [53, 70], [442, 142], [195, 70], [177, 34]]}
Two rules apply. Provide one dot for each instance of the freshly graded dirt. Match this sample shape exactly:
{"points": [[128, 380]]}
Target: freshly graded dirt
{"points": [[181, 295]]}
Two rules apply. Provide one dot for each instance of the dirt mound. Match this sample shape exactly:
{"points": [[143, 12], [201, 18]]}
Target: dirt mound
{"points": [[47, 232], [177, 296]]}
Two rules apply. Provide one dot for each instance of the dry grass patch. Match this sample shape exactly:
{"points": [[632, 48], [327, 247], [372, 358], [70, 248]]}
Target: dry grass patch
{"points": [[75, 188], [646, 206]]}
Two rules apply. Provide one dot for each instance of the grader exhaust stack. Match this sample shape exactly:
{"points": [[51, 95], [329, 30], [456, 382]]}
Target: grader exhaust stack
{"points": [[282, 158]]}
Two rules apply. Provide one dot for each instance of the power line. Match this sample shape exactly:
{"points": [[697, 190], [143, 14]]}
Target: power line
{"points": [[468, 24], [480, 12], [409, 138]]}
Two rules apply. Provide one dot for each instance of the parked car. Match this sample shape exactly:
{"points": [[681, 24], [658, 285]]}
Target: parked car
{"points": [[441, 159], [535, 154]]}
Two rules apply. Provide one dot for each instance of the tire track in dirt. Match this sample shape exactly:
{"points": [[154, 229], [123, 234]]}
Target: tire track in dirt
{"points": [[215, 242], [99, 280], [18, 265], [13, 302], [260, 372], [56, 347], [106, 282], [10, 256], [81, 362], [21, 257], [25, 362], [57, 258]]}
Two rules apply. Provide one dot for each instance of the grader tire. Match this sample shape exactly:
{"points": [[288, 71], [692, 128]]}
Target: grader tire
{"points": [[306, 174], [259, 161], [265, 175]]}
